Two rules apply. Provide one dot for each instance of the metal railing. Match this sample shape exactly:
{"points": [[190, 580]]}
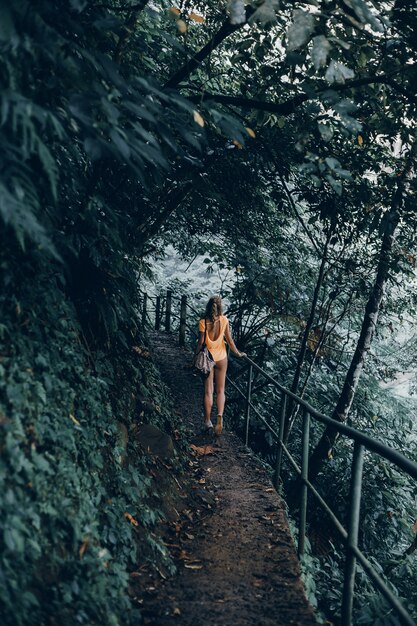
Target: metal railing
{"points": [[361, 441]]}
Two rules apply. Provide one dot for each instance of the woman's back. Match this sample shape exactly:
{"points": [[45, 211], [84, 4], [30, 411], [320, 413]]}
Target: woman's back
{"points": [[214, 330], [214, 335]]}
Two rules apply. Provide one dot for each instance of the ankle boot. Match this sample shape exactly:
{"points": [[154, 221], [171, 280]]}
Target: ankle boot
{"points": [[219, 426]]}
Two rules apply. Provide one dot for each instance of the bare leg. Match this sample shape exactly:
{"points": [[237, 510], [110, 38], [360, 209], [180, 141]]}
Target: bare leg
{"points": [[220, 378], [208, 397]]}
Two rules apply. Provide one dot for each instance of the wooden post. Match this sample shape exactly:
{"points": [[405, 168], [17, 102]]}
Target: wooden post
{"points": [[168, 311], [183, 318], [158, 313], [144, 306]]}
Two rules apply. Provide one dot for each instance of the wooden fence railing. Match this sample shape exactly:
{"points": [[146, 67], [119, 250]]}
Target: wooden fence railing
{"points": [[169, 312]]}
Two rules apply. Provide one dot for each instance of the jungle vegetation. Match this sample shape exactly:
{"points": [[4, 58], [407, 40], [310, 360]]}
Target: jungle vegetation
{"points": [[276, 138]]}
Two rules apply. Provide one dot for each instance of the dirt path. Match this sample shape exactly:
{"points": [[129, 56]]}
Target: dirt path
{"points": [[240, 565]]}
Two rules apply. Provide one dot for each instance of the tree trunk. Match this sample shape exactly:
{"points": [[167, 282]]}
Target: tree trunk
{"points": [[171, 201], [289, 421], [341, 411]]}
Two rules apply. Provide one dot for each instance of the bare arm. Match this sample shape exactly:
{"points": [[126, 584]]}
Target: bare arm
{"points": [[199, 342], [230, 341]]}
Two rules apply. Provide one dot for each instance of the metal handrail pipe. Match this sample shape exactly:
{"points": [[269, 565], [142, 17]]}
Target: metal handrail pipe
{"points": [[297, 469], [383, 587], [360, 439], [371, 444], [367, 566]]}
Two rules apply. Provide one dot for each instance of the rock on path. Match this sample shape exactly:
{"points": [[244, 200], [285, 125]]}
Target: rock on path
{"points": [[245, 567]]}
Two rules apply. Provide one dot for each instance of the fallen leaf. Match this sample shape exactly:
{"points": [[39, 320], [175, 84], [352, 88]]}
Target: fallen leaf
{"points": [[193, 566], [236, 143], [74, 419], [182, 26], [142, 352], [202, 481], [162, 575], [203, 450], [196, 18], [176, 611], [131, 519], [360, 140], [250, 132], [198, 119], [83, 548], [184, 556], [174, 11]]}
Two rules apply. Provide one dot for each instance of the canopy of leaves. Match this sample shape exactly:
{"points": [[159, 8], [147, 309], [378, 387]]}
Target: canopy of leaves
{"points": [[267, 135]]}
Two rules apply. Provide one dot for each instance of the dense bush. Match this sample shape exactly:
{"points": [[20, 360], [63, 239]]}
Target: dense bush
{"points": [[67, 541]]}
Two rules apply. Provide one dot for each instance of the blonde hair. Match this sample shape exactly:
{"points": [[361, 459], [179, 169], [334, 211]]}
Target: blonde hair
{"points": [[214, 308]]}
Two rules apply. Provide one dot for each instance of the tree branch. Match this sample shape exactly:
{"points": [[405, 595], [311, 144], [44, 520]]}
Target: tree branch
{"points": [[282, 108], [289, 106], [225, 30], [172, 200], [133, 7]]}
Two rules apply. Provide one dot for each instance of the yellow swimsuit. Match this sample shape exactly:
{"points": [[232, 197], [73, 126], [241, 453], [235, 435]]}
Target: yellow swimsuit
{"points": [[217, 348]]}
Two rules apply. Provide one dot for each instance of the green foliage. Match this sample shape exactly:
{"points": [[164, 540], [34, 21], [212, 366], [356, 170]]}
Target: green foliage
{"points": [[305, 119], [66, 544]]}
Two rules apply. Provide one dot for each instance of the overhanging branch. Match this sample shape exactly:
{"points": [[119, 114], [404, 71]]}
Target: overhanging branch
{"points": [[225, 30], [289, 106]]}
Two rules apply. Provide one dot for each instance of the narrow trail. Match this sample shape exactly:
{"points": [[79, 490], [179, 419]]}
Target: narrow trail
{"points": [[242, 567]]}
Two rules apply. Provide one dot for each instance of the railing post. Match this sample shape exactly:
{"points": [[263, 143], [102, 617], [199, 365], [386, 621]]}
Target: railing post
{"points": [[183, 319], [248, 399], [168, 311], [144, 307], [278, 461], [158, 313], [353, 529], [304, 477]]}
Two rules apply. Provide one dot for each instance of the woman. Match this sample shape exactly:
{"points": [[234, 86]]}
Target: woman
{"points": [[215, 328]]}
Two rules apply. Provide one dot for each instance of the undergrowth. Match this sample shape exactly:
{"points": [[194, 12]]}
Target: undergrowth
{"points": [[79, 504]]}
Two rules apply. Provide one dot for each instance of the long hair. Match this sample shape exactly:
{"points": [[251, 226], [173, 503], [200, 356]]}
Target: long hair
{"points": [[213, 308]]}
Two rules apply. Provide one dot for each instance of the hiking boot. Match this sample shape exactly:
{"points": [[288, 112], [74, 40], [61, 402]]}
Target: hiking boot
{"points": [[218, 429]]}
